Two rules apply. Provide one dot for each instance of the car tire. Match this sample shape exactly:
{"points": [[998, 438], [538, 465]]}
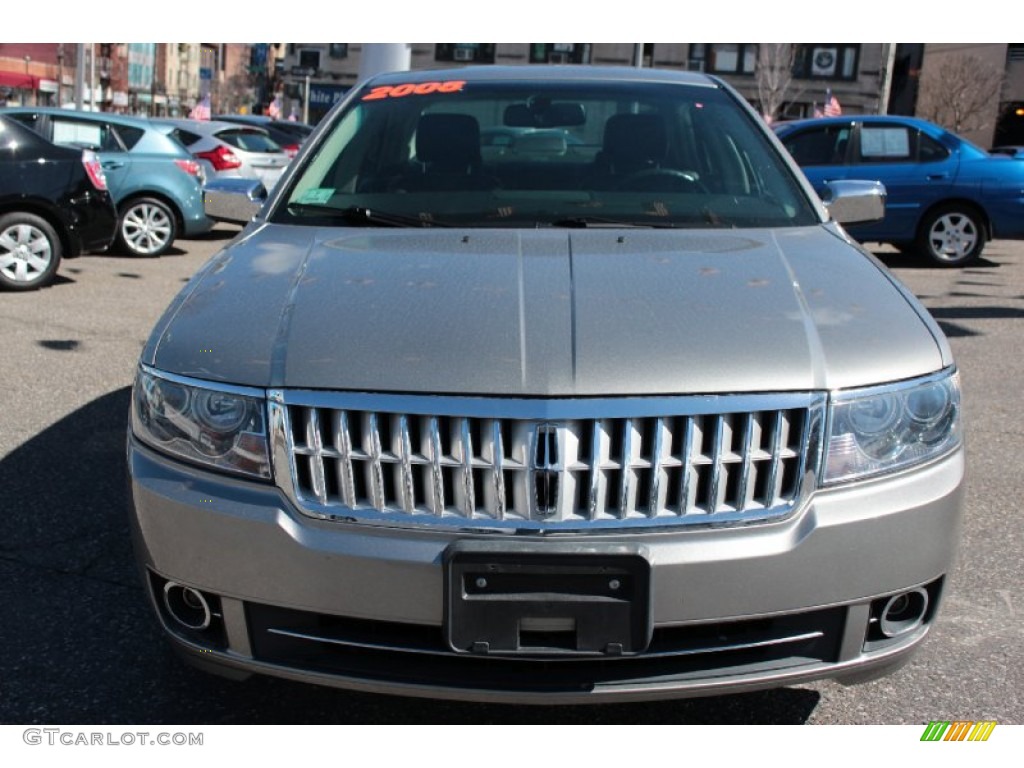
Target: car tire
{"points": [[952, 236], [30, 251], [146, 227]]}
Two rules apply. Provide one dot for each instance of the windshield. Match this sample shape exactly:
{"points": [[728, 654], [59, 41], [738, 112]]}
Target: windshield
{"points": [[542, 153]]}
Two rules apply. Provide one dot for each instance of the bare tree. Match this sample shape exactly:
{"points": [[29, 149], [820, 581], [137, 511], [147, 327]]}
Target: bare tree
{"points": [[961, 93], [774, 76], [236, 92]]}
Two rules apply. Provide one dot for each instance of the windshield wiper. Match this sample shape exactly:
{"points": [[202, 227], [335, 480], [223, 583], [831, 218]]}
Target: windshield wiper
{"points": [[582, 222], [359, 215]]}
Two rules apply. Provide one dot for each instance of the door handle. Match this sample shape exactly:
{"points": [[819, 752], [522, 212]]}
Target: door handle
{"points": [[937, 176], [112, 164]]}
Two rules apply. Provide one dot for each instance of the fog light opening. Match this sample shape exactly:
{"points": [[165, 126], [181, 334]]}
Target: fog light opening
{"points": [[187, 606], [903, 613]]}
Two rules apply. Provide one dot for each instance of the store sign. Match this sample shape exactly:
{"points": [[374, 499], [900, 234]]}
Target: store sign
{"points": [[326, 96]]}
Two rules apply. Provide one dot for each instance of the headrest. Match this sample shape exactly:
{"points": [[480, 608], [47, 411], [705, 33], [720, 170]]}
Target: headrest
{"points": [[448, 140], [636, 138]]}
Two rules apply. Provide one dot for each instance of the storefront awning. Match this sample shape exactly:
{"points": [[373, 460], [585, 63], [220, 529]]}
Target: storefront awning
{"points": [[19, 80]]}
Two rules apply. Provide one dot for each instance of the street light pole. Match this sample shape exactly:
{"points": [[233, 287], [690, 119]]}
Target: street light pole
{"points": [[28, 82], [79, 75], [305, 102]]}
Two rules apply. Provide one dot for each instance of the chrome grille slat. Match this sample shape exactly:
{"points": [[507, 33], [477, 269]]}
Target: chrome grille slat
{"points": [[626, 469], [391, 466], [466, 448], [746, 459], [343, 444], [436, 476], [654, 498], [776, 460], [315, 438], [405, 449]]}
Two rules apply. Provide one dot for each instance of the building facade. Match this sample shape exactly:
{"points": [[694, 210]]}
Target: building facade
{"points": [[853, 73], [181, 77], [32, 73]]}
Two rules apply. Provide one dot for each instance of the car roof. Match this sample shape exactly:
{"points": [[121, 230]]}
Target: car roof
{"points": [[206, 126], [110, 117], [560, 72], [264, 121], [916, 122]]}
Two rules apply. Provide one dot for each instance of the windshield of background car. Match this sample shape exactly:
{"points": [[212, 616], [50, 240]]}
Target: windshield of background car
{"points": [[249, 140], [545, 153]]}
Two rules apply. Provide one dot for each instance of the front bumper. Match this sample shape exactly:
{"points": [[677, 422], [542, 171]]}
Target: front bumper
{"points": [[362, 607]]}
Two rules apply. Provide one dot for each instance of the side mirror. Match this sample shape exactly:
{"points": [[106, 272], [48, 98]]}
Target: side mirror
{"points": [[855, 202], [235, 201]]}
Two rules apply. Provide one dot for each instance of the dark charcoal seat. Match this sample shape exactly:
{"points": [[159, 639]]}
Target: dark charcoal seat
{"points": [[448, 154]]}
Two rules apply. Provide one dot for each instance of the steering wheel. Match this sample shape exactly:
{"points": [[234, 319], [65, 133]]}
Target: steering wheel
{"points": [[662, 180]]}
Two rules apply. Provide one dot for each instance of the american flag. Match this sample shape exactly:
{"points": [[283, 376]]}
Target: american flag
{"points": [[274, 110], [832, 108], [201, 111]]}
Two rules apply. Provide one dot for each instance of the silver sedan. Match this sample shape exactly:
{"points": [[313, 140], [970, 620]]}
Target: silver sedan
{"points": [[228, 150]]}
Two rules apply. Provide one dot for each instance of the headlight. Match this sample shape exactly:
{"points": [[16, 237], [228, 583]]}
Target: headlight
{"points": [[221, 427], [883, 429]]}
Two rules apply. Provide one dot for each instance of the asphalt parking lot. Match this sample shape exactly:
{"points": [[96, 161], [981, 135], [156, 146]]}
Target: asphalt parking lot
{"points": [[78, 643]]}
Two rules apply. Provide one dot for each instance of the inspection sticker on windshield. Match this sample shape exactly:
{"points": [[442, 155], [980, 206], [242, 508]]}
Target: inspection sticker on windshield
{"points": [[317, 195], [414, 89]]}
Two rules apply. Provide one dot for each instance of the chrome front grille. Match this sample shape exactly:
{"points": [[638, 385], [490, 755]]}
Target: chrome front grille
{"points": [[545, 464]]}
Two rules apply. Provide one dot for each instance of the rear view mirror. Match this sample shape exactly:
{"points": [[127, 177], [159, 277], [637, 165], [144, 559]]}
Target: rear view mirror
{"points": [[233, 200], [541, 113]]}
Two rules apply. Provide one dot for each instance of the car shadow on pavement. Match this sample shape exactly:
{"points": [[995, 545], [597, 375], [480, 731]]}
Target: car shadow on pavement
{"points": [[893, 259], [81, 645]]}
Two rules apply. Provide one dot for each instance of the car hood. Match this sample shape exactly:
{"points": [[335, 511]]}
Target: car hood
{"points": [[545, 313]]}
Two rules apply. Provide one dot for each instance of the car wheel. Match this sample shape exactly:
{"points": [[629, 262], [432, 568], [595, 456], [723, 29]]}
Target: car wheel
{"points": [[30, 251], [952, 236], [146, 227]]}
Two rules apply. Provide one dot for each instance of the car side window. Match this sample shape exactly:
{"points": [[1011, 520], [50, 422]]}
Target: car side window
{"points": [[85, 134], [819, 146], [129, 135], [28, 119], [886, 144], [930, 151], [186, 138]]}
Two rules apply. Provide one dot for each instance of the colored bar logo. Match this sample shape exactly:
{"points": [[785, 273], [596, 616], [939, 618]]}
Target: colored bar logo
{"points": [[958, 730]]}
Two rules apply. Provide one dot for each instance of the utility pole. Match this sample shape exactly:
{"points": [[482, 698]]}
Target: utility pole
{"points": [[638, 55], [890, 64], [384, 57], [92, 77], [79, 75], [305, 102]]}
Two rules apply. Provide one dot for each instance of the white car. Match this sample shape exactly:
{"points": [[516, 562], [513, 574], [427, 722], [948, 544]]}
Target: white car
{"points": [[228, 150]]}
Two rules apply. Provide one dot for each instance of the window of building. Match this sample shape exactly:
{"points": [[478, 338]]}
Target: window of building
{"points": [[559, 53], [478, 53], [309, 58], [724, 58], [338, 50], [826, 61]]}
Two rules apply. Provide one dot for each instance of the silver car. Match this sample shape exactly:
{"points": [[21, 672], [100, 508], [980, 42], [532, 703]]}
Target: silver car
{"points": [[629, 417], [227, 150]]}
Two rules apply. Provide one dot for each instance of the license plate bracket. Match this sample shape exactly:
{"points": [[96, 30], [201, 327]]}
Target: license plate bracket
{"points": [[504, 600]]}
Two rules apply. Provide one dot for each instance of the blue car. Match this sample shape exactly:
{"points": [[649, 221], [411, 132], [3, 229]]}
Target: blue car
{"points": [[946, 197], [155, 182]]}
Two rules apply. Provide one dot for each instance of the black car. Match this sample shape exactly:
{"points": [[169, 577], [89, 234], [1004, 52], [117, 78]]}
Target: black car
{"points": [[53, 203], [288, 133]]}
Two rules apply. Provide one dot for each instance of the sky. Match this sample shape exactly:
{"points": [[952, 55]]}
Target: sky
{"points": [[521, 21]]}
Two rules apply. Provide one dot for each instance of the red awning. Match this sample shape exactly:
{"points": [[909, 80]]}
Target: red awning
{"points": [[19, 80]]}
